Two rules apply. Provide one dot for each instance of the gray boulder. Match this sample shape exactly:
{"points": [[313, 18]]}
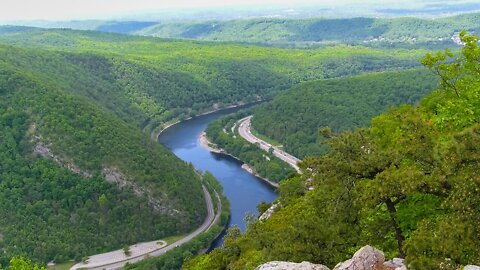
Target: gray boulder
{"points": [[471, 267], [366, 258]]}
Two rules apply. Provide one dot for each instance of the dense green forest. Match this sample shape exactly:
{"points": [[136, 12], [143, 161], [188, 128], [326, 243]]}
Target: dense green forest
{"points": [[51, 212], [160, 80], [82, 99], [223, 134], [321, 31], [407, 185], [174, 259], [295, 118]]}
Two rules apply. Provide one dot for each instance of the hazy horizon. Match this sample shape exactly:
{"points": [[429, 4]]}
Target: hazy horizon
{"points": [[56, 10]]}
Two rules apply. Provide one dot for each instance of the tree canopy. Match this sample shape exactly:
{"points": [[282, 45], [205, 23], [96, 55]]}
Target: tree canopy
{"points": [[296, 117]]}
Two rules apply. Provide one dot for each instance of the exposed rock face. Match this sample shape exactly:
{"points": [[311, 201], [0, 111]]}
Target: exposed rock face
{"points": [[471, 267], [114, 176], [291, 266], [366, 258], [269, 211], [369, 258], [42, 150]]}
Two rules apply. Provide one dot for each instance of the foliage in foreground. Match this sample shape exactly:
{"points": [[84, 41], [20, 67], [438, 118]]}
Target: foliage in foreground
{"points": [[20, 263], [408, 185]]}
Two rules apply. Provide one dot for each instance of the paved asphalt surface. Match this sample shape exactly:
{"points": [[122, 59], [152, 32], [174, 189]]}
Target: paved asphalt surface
{"points": [[244, 131], [114, 260]]}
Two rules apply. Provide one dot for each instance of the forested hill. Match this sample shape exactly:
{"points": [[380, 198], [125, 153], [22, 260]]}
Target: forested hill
{"points": [[160, 80], [72, 110], [75, 178], [408, 185], [295, 118], [311, 32]]}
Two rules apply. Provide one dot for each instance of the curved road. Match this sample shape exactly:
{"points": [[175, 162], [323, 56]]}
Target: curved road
{"points": [[117, 259], [244, 131]]}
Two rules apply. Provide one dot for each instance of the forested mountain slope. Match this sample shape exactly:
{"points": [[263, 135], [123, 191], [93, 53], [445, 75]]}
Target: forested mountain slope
{"points": [[81, 99], [408, 185], [75, 178], [291, 32], [295, 117], [166, 79]]}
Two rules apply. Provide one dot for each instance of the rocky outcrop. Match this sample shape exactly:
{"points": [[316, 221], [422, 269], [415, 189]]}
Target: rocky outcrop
{"points": [[43, 150], [369, 258], [366, 258], [114, 176], [266, 215], [291, 266]]}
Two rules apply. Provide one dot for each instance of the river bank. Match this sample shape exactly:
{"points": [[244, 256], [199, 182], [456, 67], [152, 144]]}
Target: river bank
{"points": [[243, 190], [204, 142], [167, 125]]}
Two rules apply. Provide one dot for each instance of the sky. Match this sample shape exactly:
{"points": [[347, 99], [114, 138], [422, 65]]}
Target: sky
{"points": [[78, 9], [106, 9]]}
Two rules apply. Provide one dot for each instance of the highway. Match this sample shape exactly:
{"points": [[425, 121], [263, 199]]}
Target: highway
{"points": [[117, 259], [244, 131]]}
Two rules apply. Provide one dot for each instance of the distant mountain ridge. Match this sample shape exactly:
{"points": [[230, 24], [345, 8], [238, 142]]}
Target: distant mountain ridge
{"points": [[288, 32], [360, 30]]}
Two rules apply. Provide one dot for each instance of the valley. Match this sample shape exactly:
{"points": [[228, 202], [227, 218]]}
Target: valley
{"points": [[159, 144]]}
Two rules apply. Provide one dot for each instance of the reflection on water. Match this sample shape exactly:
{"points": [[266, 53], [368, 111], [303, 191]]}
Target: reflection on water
{"points": [[243, 190]]}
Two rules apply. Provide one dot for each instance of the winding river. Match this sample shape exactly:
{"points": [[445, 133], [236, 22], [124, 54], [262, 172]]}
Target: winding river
{"points": [[243, 190]]}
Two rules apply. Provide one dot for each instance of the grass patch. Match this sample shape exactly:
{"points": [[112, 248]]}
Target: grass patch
{"points": [[61, 266], [173, 239]]}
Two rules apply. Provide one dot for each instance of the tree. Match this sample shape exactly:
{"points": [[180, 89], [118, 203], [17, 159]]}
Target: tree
{"points": [[102, 200], [459, 77], [20, 263], [126, 250]]}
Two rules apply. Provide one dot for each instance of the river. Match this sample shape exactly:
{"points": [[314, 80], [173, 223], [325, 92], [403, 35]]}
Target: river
{"points": [[243, 190]]}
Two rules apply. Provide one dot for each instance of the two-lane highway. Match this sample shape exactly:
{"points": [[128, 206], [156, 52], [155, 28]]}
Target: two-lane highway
{"points": [[244, 131], [117, 259]]}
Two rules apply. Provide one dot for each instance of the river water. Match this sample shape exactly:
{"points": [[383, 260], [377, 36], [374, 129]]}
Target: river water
{"points": [[243, 190]]}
